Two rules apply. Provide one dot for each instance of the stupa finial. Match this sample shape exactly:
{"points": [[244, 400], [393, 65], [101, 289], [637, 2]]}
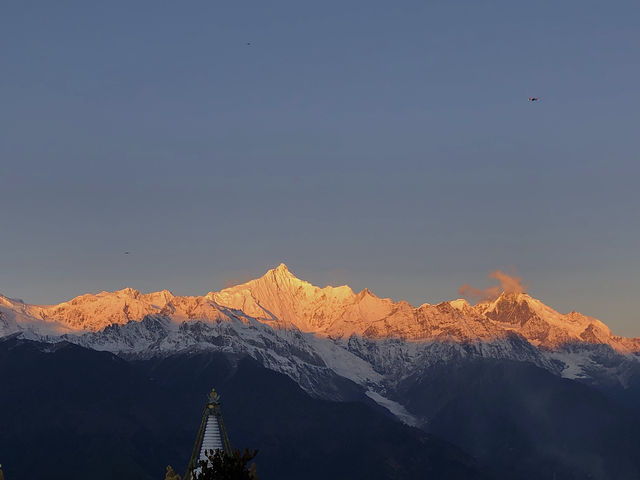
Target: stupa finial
{"points": [[213, 396]]}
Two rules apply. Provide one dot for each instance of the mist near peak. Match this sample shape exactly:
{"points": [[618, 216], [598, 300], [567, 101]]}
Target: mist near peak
{"points": [[506, 284]]}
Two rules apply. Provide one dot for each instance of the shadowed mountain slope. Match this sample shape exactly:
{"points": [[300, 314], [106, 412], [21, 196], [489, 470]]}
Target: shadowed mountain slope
{"points": [[73, 413], [526, 422]]}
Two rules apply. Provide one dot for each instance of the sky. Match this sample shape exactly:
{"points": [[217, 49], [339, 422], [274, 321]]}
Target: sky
{"points": [[388, 145]]}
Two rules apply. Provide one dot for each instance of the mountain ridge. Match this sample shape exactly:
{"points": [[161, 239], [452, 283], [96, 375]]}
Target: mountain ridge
{"points": [[324, 337], [283, 301]]}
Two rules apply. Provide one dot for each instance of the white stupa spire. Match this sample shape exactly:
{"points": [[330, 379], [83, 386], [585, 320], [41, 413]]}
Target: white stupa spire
{"points": [[212, 435]]}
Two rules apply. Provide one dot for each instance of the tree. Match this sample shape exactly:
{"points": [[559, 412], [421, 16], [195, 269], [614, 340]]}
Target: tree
{"points": [[220, 466], [171, 474]]}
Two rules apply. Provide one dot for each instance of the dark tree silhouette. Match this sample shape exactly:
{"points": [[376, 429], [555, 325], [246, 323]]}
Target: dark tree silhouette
{"points": [[221, 466], [171, 474]]}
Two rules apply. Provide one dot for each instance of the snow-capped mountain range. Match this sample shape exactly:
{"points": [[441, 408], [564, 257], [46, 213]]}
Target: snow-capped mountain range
{"points": [[317, 335]]}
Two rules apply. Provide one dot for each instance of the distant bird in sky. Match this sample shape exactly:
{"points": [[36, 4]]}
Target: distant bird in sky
{"points": [[248, 43], [127, 253], [533, 99]]}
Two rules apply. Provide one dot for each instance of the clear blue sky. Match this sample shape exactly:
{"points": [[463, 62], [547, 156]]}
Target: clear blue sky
{"points": [[387, 145]]}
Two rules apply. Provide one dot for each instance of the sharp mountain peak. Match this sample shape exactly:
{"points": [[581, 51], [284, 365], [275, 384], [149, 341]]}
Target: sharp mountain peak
{"points": [[279, 297]]}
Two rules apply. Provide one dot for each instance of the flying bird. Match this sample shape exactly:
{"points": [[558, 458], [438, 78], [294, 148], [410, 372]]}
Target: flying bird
{"points": [[127, 253], [533, 99]]}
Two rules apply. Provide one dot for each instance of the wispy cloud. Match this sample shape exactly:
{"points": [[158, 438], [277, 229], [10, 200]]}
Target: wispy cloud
{"points": [[507, 283]]}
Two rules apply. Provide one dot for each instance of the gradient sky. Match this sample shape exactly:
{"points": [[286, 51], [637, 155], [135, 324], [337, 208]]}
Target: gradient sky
{"points": [[387, 145]]}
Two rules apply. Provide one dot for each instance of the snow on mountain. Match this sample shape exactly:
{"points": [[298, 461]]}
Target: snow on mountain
{"points": [[282, 300], [542, 325], [28, 320], [286, 351], [318, 335], [95, 312], [279, 298]]}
